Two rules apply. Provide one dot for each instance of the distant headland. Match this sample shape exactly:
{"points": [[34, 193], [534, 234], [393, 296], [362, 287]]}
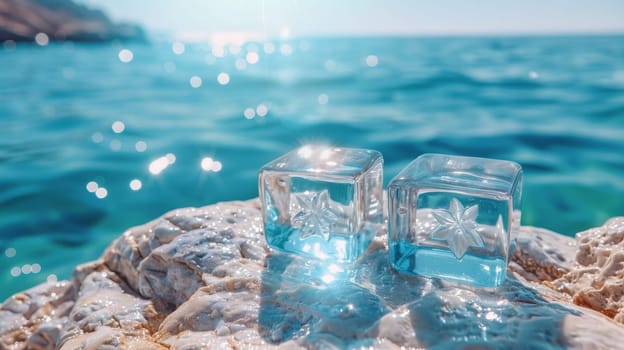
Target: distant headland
{"points": [[22, 20]]}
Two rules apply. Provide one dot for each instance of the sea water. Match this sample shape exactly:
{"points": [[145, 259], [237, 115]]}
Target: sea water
{"points": [[553, 104]]}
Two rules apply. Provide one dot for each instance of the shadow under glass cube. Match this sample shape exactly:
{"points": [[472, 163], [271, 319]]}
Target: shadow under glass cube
{"points": [[323, 202], [450, 217]]}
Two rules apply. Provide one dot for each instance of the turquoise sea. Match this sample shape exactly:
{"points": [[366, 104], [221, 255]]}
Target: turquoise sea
{"points": [[78, 125]]}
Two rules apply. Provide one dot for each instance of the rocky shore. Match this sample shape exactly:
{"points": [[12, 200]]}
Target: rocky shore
{"points": [[203, 278], [22, 20]]}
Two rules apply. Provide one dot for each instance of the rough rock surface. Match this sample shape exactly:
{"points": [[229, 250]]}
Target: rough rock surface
{"points": [[597, 279], [22, 20], [204, 279]]}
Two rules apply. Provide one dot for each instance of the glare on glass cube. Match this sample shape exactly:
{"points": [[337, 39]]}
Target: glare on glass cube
{"points": [[450, 217], [323, 202]]}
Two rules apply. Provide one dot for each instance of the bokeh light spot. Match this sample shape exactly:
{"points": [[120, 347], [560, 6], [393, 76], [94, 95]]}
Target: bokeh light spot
{"points": [[209, 164], [140, 146], [125, 56], [10, 252], [177, 47], [249, 113], [101, 193], [158, 165], [372, 60], [118, 127], [252, 57], [15, 271], [97, 137], [42, 39], [195, 81], [323, 99], [92, 186], [223, 78], [136, 184], [262, 110]]}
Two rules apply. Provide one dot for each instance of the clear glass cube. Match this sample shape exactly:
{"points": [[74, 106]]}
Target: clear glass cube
{"points": [[323, 202], [450, 217]]}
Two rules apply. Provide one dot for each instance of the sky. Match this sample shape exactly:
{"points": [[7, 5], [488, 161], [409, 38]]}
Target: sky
{"points": [[368, 17]]}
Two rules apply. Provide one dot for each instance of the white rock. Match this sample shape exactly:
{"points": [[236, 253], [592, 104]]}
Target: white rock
{"points": [[204, 279]]}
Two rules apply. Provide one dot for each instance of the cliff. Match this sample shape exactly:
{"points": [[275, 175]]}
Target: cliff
{"points": [[22, 20]]}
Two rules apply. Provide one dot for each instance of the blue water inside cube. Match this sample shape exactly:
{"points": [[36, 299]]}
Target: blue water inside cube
{"points": [[452, 217], [324, 203]]}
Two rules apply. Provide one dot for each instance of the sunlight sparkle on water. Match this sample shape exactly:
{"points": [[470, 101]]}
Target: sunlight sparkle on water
{"points": [[195, 81], [262, 110], [118, 127], [10, 252], [252, 57], [209, 164], [136, 184], [177, 47], [101, 193], [42, 39], [249, 113], [372, 60], [140, 146], [92, 186], [323, 99], [158, 165], [223, 78], [125, 56]]}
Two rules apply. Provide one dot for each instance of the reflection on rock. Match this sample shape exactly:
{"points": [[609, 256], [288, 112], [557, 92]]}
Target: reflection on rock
{"points": [[204, 278]]}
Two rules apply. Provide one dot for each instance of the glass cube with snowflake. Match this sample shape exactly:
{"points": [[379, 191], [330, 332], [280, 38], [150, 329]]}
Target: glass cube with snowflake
{"points": [[450, 217], [323, 202]]}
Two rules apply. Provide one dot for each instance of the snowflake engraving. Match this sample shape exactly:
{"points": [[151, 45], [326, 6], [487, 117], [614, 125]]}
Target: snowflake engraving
{"points": [[316, 216], [457, 226]]}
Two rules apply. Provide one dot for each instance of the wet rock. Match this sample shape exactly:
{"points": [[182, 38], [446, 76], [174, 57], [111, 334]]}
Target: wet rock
{"points": [[204, 279], [34, 318], [542, 255]]}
